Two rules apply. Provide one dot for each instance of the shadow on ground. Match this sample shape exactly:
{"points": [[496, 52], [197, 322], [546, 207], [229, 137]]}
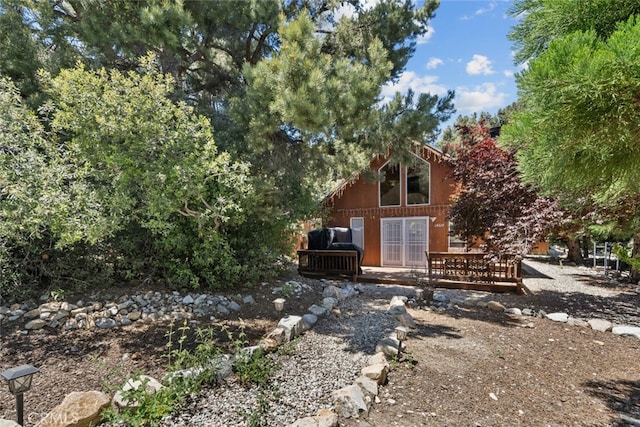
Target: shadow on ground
{"points": [[622, 396]]}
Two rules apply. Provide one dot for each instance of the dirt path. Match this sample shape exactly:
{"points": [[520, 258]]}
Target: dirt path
{"points": [[475, 367]]}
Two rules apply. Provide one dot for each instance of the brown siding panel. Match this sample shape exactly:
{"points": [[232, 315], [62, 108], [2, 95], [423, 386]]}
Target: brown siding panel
{"points": [[360, 199]]}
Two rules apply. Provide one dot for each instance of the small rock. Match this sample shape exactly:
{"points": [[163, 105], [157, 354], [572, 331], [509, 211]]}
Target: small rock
{"points": [[377, 372], [309, 320], [577, 322], [318, 310], [495, 306], [333, 292], [600, 325], [105, 323], [134, 315], [388, 346], [378, 358], [292, 326], [35, 324], [626, 330], [558, 317], [440, 298], [150, 384], [349, 402], [67, 306], [329, 303], [220, 308], [369, 386], [32, 314]]}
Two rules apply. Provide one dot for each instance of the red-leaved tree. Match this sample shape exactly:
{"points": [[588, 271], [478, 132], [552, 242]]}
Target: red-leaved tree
{"points": [[493, 203]]}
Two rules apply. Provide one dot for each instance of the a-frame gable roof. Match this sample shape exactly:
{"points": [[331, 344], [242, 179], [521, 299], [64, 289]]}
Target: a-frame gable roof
{"points": [[428, 152]]}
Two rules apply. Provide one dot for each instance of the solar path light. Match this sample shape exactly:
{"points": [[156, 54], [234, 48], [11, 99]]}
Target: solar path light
{"points": [[19, 380], [279, 304], [401, 334]]}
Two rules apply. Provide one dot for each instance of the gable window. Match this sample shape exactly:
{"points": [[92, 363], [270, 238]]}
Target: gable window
{"points": [[418, 182], [390, 185]]}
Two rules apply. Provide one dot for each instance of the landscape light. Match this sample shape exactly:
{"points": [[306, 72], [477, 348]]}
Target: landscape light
{"points": [[19, 380], [401, 334], [279, 303]]}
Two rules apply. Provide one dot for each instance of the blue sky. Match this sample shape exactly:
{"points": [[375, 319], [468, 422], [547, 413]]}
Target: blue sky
{"points": [[466, 50]]}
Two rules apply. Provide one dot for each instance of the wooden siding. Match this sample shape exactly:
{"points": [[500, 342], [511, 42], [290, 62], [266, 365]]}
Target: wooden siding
{"points": [[359, 198]]}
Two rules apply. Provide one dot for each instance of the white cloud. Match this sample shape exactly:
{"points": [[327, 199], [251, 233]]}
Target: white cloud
{"points": [[419, 84], [481, 98], [479, 12], [480, 64], [423, 39], [488, 9], [508, 73], [348, 11], [434, 62], [482, 11]]}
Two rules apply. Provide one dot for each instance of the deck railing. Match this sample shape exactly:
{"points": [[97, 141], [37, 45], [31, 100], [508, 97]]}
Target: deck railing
{"points": [[477, 268], [328, 262]]}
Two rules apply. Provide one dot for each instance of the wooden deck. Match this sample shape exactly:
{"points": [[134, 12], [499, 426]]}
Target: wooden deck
{"points": [[443, 270], [476, 271]]}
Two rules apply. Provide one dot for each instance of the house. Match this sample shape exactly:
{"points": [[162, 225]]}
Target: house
{"points": [[400, 217]]}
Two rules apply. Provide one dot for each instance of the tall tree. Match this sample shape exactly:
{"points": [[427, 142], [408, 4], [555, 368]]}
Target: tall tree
{"points": [[577, 136], [541, 21]]}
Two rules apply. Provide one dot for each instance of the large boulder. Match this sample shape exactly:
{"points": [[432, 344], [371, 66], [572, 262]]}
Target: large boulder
{"points": [[293, 326], [350, 402], [324, 418], [78, 409]]}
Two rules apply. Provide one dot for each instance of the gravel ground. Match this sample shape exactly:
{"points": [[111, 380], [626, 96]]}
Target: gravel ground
{"points": [[325, 359], [583, 293]]}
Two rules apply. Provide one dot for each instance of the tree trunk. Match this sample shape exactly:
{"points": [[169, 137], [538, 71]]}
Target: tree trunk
{"points": [[574, 254], [586, 246], [635, 272]]}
